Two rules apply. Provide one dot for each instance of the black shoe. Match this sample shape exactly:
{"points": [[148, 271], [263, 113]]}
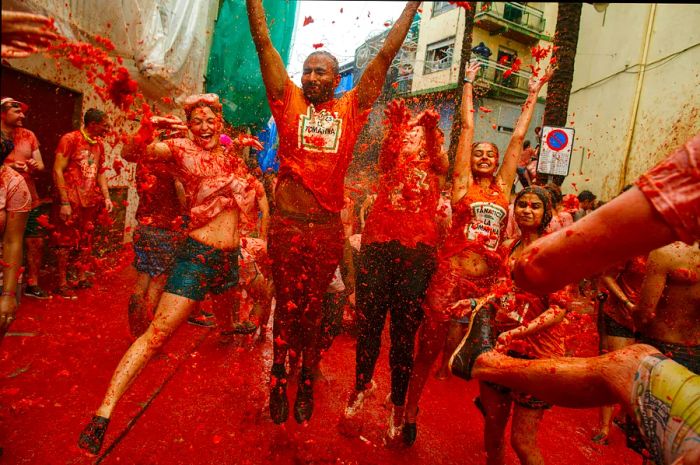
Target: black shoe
{"points": [[201, 321], [480, 338], [304, 403], [36, 292], [279, 404], [409, 433], [94, 433], [480, 405], [246, 327]]}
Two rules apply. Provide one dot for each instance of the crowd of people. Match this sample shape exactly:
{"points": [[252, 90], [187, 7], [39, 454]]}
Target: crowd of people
{"points": [[483, 262]]}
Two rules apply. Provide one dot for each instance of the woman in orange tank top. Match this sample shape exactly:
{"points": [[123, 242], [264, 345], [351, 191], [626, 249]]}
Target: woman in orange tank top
{"points": [[468, 263]]}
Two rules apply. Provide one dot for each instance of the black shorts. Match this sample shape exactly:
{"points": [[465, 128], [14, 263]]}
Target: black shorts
{"points": [[521, 398], [615, 329], [688, 356]]}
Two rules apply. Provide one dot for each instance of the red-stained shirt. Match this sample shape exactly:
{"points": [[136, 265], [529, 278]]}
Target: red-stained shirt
{"points": [[14, 193], [26, 144], [406, 205], [159, 205], [317, 141], [479, 217], [673, 188], [85, 162], [211, 180], [520, 308]]}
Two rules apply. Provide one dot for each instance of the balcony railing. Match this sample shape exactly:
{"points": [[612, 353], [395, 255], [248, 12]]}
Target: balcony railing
{"points": [[495, 74], [521, 21]]}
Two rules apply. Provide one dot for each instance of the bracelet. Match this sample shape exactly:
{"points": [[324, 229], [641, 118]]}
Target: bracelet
{"points": [[65, 204], [8, 293], [468, 81]]}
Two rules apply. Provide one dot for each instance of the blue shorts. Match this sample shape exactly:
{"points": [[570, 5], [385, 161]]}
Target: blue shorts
{"points": [[201, 269], [155, 249]]}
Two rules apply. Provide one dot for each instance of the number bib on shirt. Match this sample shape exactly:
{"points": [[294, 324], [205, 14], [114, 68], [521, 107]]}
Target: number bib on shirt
{"points": [[319, 131]]}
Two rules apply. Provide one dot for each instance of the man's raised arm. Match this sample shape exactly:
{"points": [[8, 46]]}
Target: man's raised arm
{"points": [[372, 80], [271, 65]]}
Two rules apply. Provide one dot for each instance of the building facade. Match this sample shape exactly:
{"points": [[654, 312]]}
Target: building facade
{"points": [[635, 91], [503, 32]]}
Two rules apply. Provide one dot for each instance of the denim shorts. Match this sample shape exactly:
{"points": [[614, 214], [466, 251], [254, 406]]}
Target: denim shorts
{"points": [[155, 249], [201, 269]]}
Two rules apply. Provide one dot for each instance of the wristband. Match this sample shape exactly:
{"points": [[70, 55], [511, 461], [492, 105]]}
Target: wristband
{"points": [[65, 204], [468, 81]]}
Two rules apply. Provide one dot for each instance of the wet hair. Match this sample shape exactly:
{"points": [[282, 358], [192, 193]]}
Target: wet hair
{"points": [[586, 196], [526, 144], [494, 146], [555, 192], [336, 65], [190, 109], [93, 115], [544, 196]]}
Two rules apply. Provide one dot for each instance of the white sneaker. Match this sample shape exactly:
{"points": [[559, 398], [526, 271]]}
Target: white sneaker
{"points": [[393, 432], [354, 406]]}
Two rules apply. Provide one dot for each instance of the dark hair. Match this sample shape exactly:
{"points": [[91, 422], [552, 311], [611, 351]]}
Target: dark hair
{"points": [[336, 65], [526, 144], [555, 192], [93, 115], [626, 188], [544, 196], [586, 196]]}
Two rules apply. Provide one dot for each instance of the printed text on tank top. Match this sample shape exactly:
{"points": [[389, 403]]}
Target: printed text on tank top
{"points": [[319, 131], [487, 219]]}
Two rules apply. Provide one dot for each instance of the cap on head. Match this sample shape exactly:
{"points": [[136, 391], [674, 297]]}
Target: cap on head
{"points": [[8, 102]]}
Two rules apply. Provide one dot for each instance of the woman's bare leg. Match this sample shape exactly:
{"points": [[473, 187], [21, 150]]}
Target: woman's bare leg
{"points": [[171, 313], [431, 337], [610, 343], [496, 413], [523, 434], [568, 382]]}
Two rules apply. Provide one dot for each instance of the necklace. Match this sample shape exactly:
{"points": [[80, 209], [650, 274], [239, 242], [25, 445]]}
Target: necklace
{"points": [[87, 138]]}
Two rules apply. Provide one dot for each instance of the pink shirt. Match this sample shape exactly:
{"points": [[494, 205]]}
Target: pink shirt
{"points": [[26, 144], [14, 195], [211, 179]]}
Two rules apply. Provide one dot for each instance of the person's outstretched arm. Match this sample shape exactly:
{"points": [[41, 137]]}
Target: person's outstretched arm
{"points": [[508, 170], [372, 80], [272, 67], [462, 173], [607, 236]]}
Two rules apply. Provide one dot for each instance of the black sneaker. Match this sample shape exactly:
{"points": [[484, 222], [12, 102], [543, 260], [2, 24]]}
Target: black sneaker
{"points": [[279, 403], [480, 338], [201, 321], [94, 433], [304, 403], [409, 433], [36, 292]]}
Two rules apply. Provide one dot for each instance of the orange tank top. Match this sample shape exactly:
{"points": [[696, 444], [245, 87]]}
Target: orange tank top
{"points": [[316, 142], [478, 221]]}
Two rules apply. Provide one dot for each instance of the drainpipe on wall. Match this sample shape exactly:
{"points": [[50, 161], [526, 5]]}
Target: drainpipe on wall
{"points": [[637, 96]]}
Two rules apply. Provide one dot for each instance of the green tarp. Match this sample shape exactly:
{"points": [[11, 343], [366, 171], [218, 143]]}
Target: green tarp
{"points": [[234, 71]]}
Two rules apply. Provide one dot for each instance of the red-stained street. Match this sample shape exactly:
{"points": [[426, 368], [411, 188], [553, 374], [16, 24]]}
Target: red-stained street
{"points": [[201, 402]]}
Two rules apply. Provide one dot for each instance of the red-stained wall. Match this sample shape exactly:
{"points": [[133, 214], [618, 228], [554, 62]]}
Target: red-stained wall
{"points": [[53, 111]]}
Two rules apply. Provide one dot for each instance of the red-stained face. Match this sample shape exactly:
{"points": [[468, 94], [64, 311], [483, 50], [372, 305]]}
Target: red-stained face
{"points": [[206, 127], [528, 212], [484, 159], [318, 80], [100, 129], [413, 140], [13, 117]]}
